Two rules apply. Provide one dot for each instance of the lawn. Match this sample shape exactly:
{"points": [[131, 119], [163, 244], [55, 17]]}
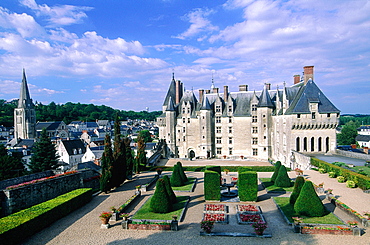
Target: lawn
{"points": [[363, 168], [144, 212], [187, 187], [288, 210], [269, 185]]}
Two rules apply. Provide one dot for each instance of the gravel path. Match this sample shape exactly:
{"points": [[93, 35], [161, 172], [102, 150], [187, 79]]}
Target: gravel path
{"points": [[83, 225]]}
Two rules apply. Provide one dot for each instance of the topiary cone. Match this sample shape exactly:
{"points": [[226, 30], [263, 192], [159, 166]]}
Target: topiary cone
{"points": [[182, 173], [170, 192], [299, 182], [308, 202], [176, 177], [160, 201], [276, 171], [283, 180]]}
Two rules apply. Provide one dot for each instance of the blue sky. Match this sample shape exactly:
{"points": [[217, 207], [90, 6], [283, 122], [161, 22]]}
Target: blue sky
{"points": [[122, 53]]}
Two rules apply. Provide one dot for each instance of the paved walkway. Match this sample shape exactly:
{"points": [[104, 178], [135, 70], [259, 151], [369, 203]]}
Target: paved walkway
{"points": [[83, 225]]}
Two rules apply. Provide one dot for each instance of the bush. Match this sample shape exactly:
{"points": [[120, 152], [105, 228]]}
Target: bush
{"points": [[299, 181], [248, 186], [214, 168], [308, 202], [341, 179], [184, 179], [176, 179], [322, 171], [212, 185], [244, 169], [360, 180], [169, 190], [332, 175], [18, 226], [276, 171], [160, 201], [282, 179], [350, 184]]}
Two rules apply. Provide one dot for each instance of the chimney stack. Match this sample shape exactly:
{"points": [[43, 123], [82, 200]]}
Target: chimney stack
{"points": [[215, 90], [208, 91], [268, 86], [178, 91], [201, 94], [297, 79], [226, 93], [243, 88], [308, 73]]}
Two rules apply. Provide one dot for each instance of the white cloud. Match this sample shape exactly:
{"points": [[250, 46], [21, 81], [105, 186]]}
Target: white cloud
{"points": [[59, 15], [199, 23]]}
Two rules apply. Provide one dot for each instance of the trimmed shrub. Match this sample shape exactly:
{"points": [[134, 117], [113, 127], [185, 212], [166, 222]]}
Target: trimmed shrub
{"points": [[308, 202], [282, 179], [212, 185], [276, 171], [341, 179], [18, 226], [214, 168], [350, 184], [299, 182], [322, 171], [169, 190], [244, 169], [332, 174], [160, 201], [176, 179], [247, 186], [184, 179]]}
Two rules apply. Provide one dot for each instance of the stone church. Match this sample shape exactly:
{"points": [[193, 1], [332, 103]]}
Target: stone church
{"points": [[261, 125]]}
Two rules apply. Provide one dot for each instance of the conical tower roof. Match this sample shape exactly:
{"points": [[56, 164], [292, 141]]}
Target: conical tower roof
{"points": [[25, 100]]}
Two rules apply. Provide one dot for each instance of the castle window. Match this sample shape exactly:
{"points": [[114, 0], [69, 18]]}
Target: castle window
{"points": [[183, 110], [230, 140], [230, 119], [188, 120], [183, 138], [255, 152], [254, 119], [183, 129], [203, 137], [328, 114], [230, 130], [230, 151], [218, 140], [254, 107], [218, 108], [218, 130], [230, 108], [254, 141], [183, 120], [298, 115], [188, 110], [264, 148], [313, 115], [218, 119], [218, 151], [254, 130]]}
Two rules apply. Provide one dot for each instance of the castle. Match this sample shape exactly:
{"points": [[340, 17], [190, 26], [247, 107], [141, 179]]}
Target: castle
{"points": [[262, 125]]}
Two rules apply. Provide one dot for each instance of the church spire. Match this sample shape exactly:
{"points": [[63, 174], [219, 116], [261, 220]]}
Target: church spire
{"points": [[25, 100]]}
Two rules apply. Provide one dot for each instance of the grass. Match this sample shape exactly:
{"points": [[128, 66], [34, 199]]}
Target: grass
{"points": [[272, 188], [187, 187], [288, 210], [145, 213], [363, 168]]}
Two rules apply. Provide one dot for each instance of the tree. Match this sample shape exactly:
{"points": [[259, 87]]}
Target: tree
{"points": [[145, 135], [348, 134], [170, 192], [160, 201], [44, 155], [141, 154], [10, 166], [130, 161], [308, 202], [176, 179], [119, 156], [299, 182], [276, 171], [184, 179], [283, 180], [106, 166]]}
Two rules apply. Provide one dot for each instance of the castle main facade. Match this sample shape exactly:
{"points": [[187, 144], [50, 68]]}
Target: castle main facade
{"points": [[262, 125]]}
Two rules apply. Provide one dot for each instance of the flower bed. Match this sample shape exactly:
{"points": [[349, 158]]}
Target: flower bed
{"points": [[38, 180], [124, 206], [249, 218], [216, 217], [215, 208], [346, 209], [142, 226], [338, 230], [248, 208]]}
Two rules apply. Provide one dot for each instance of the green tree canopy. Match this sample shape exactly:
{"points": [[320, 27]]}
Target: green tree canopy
{"points": [[348, 134], [10, 166], [145, 135], [106, 166], [44, 154]]}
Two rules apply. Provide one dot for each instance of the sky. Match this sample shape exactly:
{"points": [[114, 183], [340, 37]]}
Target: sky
{"points": [[122, 53]]}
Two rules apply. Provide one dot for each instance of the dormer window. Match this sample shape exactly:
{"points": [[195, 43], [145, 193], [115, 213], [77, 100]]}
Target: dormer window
{"points": [[313, 115]]}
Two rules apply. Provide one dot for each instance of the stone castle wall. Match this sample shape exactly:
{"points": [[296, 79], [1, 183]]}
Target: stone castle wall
{"points": [[26, 178]]}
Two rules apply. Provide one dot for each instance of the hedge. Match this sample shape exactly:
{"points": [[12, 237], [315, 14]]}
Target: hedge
{"points": [[18, 226], [212, 185], [244, 169], [248, 186], [360, 180], [214, 168], [230, 168]]}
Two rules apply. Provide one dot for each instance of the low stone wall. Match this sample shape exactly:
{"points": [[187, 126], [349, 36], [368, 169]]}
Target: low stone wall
{"points": [[305, 230], [26, 178], [353, 154], [300, 161]]}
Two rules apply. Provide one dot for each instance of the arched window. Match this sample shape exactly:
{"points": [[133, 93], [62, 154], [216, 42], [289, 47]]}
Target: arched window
{"points": [[312, 144], [319, 144], [327, 144], [297, 144], [305, 144]]}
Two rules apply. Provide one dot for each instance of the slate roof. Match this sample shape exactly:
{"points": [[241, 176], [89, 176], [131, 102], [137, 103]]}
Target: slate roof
{"points": [[70, 145], [361, 137], [48, 125], [171, 92], [265, 99]]}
